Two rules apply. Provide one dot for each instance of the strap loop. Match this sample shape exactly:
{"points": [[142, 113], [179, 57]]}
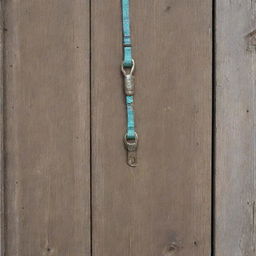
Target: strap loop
{"points": [[127, 57]]}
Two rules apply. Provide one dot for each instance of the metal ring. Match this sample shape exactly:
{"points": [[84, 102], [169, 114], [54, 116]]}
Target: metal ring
{"points": [[131, 70], [131, 144]]}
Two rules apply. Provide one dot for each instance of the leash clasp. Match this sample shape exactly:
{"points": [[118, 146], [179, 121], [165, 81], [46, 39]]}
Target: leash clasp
{"points": [[129, 86], [131, 146]]}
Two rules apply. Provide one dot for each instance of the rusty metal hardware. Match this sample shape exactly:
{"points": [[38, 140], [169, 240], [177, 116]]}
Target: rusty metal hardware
{"points": [[131, 146]]}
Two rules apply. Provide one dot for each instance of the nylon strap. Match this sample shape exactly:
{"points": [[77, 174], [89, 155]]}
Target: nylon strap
{"points": [[130, 118], [127, 45], [128, 63]]}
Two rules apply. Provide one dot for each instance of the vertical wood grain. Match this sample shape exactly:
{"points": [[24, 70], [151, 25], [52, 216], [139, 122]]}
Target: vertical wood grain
{"points": [[235, 127], [47, 128], [162, 207], [1, 136]]}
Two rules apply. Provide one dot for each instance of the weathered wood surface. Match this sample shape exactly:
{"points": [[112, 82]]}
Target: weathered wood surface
{"points": [[235, 128], [1, 137], [162, 207], [47, 128]]}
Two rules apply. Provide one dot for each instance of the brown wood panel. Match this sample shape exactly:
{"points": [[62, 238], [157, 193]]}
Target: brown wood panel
{"points": [[162, 207], [47, 128], [235, 128], [1, 137]]}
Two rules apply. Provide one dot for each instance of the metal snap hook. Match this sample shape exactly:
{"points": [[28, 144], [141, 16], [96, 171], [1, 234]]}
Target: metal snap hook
{"points": [[123, 69], [129, 86], [131, 146]]}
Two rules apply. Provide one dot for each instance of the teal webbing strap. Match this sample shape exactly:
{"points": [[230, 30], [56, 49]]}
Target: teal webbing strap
{"points": [[127, 47], [128, 63], [128, 66], [130, 118]]}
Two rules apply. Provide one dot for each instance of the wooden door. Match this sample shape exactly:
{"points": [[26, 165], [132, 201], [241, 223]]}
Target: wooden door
{"points": [[66, 187]]}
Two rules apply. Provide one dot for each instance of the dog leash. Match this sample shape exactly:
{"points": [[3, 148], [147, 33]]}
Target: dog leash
{"points": [[127, 68]]}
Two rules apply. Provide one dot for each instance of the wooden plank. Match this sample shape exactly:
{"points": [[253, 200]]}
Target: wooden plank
{"points": [[1, 137], [47, 127], [235, 128], [162, 207]]}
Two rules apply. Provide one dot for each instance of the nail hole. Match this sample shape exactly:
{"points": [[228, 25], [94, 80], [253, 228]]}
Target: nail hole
{"points": [[168, 8]]}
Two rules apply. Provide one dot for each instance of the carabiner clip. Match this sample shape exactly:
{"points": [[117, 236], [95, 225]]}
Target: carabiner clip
{"points": [[129, 87]]}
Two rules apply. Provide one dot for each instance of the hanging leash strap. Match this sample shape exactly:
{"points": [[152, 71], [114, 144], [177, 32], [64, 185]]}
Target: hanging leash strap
{"points": [[128, 67]]}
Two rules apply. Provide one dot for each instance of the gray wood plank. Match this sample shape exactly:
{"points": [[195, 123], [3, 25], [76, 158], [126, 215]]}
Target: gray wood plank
{"points": [[235, 128], [162, 207], [47, 128], [1, 137]]}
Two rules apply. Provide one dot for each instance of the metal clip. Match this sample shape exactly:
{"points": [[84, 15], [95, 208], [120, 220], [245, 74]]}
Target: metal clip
{"points": [[129, 86], [131, 146]]}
